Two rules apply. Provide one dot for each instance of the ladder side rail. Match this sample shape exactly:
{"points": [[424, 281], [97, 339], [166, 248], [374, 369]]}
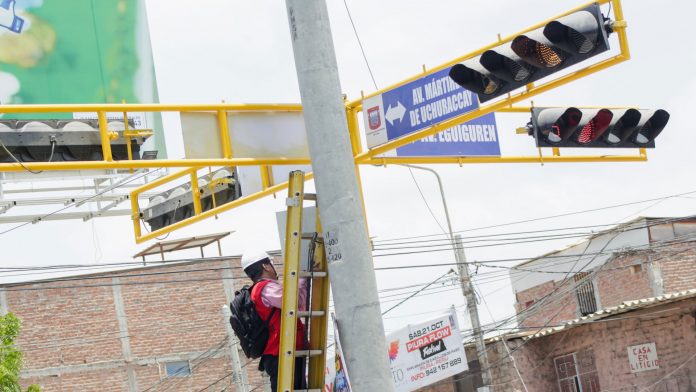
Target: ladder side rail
{"points": [[291, 274], [319, 324]]}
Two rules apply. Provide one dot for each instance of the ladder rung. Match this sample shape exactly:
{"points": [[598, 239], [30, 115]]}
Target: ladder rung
{"points": [[308, 353], [310, 196], [316, 274], [313, 313], [308, 236]]}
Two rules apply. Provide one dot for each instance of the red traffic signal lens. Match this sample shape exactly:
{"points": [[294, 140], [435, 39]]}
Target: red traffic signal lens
{"points": [[596, 127]]}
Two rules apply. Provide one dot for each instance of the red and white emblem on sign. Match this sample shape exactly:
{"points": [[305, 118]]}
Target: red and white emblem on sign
{"points": [[374, 117]]}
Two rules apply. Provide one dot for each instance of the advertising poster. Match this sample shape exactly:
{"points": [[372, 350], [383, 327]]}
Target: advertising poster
{"points": [[78, 51], [424, 353], [341, 381]]}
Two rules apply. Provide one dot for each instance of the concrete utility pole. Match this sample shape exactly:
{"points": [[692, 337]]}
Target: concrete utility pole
{"points": [[468, 291], [239, 375], [348, 252]]}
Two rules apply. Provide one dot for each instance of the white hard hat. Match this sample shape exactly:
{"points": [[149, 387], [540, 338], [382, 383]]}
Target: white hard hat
{"points": [[253, 256]]}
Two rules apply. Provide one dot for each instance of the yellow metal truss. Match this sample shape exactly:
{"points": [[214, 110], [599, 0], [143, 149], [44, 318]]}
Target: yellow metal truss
{"points": [[372, 156]]}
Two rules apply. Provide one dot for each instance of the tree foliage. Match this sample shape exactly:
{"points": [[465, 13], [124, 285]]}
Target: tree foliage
{"points": [[11, 359]]}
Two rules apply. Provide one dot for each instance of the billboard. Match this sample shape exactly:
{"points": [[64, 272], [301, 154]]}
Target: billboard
{"points": [[77, 51], [424, 353]]}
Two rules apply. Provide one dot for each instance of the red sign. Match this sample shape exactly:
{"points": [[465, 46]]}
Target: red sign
{"points": [[425, 340]]}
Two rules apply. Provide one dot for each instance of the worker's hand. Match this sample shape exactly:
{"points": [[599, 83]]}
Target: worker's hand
{"points": [[8, 17]]}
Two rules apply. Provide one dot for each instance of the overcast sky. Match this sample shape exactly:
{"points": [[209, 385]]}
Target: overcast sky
{"points": [[240, 52]]}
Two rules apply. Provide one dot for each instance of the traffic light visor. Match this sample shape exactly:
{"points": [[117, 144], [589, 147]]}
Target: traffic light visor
{"points": [[557, 124]]}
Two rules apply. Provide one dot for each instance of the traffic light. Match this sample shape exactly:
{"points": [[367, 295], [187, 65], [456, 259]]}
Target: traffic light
{"points": [[536, 54], [176, 204], [596, 127], [63, 140]]}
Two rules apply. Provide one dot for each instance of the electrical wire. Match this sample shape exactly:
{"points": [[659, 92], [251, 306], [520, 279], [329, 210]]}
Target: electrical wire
{"points": [[541, 239], [551, 216], [17, 286], [362, 50], [173, 217], [66, 267], [205, 354], [50, 158], [73, 203], [374, 82]]}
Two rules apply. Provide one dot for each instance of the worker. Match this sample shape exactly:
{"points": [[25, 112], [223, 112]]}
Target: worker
{"points": [[267, 294]]}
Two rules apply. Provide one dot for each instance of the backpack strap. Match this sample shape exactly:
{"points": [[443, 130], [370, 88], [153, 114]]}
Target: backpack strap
{"points": [[273, 309], [270, 316]]}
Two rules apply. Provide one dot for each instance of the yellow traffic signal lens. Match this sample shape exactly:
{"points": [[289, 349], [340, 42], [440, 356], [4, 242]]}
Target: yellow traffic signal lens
{"points": [[547, 56]]}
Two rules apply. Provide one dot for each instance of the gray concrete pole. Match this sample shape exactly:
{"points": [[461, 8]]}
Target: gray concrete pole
{"points": [[468, 291], [239, 375], [347, 245]]}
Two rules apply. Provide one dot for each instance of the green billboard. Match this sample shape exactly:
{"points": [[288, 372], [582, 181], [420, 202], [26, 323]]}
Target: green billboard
{"points": [[77, 51]]}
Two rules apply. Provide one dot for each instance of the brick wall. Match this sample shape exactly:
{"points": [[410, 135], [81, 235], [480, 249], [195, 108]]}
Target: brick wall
{"points": [[676, 264], [671, 327], [464, 382], [546, 304], [73, 339], [624, 278], [627, 276]]}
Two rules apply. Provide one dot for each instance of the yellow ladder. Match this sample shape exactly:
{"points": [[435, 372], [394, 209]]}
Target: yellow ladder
{"points": [[319, 299]]}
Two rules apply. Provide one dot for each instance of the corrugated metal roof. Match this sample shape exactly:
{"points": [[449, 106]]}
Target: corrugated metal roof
{"points": [[626, 306]]}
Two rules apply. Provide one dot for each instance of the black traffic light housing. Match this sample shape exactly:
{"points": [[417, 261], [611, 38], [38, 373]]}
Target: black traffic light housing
{"points": [[176, 204], [62, 140], [596, 127], [531, 56]]}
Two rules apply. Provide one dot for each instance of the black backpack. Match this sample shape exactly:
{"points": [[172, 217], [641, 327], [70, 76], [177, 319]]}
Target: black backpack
{"points": [[249, 327]]}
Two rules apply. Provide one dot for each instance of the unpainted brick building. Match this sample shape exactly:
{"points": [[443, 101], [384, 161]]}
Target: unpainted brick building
{"points": [[643, 258], [614, 313], [158, 328]]}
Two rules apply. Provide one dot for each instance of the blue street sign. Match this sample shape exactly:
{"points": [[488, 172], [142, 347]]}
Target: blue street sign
{"points": [[474, 138], [425, 102]]}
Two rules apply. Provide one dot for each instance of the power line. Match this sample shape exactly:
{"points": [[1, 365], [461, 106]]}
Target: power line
{"points": [[362, 50], [211, 349], [54, 267], [73, 203], [551, 216], [620, 230], [17, 286], [374, 82]]}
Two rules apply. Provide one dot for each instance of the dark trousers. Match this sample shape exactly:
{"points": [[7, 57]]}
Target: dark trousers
{"points": [[269, 363]]}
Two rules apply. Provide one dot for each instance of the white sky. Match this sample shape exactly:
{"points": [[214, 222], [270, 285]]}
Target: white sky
{"points": [[240, 52]]}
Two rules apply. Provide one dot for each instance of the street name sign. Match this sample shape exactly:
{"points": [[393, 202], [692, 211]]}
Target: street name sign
{"points": [[424, 102]]}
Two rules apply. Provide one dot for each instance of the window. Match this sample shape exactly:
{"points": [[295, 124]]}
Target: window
{"points": [[577, 372], [587, 303], [177, 369]]}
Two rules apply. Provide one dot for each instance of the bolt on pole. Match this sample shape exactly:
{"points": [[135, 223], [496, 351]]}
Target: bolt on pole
{"points": [[347, 245]]}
